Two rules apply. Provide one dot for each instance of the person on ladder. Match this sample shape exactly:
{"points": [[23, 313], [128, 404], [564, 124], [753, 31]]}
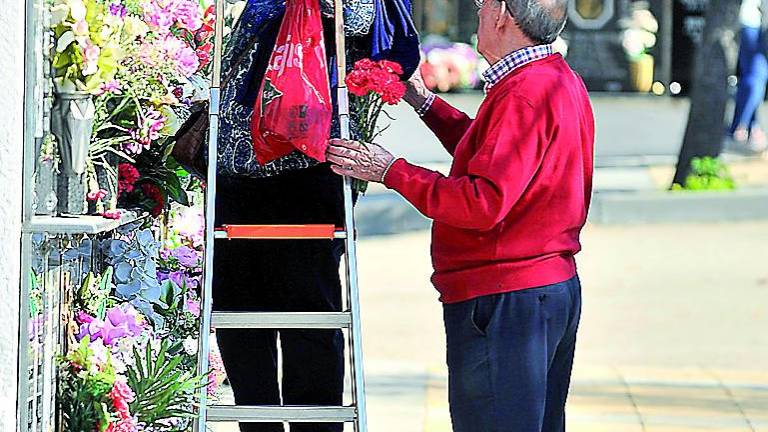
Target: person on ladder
{"points": [[286, 275], [274, 275]]}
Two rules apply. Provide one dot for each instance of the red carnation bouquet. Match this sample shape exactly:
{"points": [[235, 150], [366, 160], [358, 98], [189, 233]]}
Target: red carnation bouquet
{"points": [[373, 84]]}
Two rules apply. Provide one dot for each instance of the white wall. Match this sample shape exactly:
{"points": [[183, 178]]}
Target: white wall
{"points": [[11, 138]]}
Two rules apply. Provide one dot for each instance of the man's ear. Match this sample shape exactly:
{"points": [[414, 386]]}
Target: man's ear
{"points": [[504, 16]]}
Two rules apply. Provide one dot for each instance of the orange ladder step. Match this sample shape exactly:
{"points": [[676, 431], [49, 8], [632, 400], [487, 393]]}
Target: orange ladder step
{"points": [[279, 232]]}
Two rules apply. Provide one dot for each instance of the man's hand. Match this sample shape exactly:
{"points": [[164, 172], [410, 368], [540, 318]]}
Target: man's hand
{"points": [[368, 162], [416, 92]]}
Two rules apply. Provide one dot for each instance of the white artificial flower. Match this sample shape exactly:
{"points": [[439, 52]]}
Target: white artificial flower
{"points": [[135, 28], [77, 9], [190, 346], [59, 14], [65, 40], [81, 28]]}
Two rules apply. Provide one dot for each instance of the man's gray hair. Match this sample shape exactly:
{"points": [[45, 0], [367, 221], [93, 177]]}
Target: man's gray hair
{"points": [[540, 20]]}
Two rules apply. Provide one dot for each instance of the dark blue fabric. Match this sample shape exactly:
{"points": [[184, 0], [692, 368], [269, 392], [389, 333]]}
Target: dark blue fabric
{"points": [[394, 36], [753, 75], [267, 35], [510, 358]]}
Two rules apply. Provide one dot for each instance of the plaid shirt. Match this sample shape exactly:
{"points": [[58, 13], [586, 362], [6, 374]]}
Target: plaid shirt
{"points": [[502, 68], [514, 60]]}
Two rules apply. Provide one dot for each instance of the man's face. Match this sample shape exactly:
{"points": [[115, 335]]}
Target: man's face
{"points": [[488, 30]]}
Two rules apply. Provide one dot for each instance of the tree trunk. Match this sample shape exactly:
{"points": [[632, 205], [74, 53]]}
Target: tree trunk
{"points": [[715, 61]]}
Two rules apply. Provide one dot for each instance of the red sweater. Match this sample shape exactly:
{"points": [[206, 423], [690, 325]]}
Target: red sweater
{"points": [[509, 214]]}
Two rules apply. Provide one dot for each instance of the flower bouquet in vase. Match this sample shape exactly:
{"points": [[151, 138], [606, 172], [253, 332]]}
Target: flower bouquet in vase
{"points": [[372, 85], [86, 53]]}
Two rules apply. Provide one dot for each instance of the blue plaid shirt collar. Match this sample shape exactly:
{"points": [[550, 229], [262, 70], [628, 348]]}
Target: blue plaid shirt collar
{"points": [[514, 60]]}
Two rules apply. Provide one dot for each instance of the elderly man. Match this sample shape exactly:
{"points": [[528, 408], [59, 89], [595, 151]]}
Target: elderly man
{"points": [[506, 220]]}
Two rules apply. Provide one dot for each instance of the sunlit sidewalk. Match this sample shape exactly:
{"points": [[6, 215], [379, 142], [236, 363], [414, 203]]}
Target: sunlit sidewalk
{"points": [[611, 400]]}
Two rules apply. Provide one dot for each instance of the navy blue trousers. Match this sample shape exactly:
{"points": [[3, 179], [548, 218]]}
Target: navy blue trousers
{"points": [[281, 276], [753, 75], [510, 357]]}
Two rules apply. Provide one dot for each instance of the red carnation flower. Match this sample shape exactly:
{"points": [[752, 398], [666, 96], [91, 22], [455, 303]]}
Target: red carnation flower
{"points": [[365, 64], [204, 54], [391, 67], [127, 175], [393, 92], [358, 82], [379, 79], [153, 192]]}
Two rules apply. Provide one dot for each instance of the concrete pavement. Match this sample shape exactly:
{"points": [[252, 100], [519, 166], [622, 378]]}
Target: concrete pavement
{"points": [[674, 332]]}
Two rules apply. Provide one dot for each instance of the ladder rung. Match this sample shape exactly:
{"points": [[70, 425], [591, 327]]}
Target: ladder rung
{"points": [[279, 232], [271, 320], [293, 414]]}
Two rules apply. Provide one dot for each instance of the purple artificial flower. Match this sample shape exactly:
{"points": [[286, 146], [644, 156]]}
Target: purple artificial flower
{"points": [[122, 321], [126, 315], [117, 10], [92, 329], [133, 147], [178, 277], [165, 254], [162, 276], [186, 256]]}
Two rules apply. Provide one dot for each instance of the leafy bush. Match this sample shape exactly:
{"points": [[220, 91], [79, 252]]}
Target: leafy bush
{"points": [[707, 173]]}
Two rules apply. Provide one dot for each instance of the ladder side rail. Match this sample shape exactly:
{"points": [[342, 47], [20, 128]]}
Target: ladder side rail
{"points": [[210, 213], [353, 298]]}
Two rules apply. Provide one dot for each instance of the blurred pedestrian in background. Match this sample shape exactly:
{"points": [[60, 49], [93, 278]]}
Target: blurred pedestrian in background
{"points": [[745, 129]]}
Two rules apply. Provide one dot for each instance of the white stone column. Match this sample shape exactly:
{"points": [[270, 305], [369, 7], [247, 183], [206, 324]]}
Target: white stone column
{"points": [[11, 164]]}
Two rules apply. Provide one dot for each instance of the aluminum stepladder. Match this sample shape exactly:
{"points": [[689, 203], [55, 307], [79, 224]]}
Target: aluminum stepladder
{"points": [[349, 319]]}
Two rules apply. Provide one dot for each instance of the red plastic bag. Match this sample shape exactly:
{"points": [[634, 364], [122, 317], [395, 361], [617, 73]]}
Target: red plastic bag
{"points": [[293, 108]]}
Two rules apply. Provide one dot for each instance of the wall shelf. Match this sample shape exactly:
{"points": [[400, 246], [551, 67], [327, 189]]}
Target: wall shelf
{"points": [[81, 224]]}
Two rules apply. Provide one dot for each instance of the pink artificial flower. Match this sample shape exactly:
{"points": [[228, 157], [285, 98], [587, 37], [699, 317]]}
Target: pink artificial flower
{"points": [[96, 195], [188, 15], [112, 214], [213, 384], [159, 18], [80, 28], [184, 56], [121, 395], [127, 424], [112, 86], [193, 306], [149, 126], [91, 54], [217, 371], [83, 318]]}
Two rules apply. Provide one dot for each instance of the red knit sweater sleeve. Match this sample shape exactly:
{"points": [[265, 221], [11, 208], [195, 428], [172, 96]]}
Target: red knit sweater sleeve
{"points": [[510, 149], [447, 123]]}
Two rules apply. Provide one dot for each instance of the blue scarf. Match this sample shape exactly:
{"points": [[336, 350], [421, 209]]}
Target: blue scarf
{"points": [[394, 35]]}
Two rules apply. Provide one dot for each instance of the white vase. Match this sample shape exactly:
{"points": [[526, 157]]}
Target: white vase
{"points": [[72, 119]]}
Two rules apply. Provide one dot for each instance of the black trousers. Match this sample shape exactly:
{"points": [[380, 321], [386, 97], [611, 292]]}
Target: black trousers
{"points": [[281, 276]]}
